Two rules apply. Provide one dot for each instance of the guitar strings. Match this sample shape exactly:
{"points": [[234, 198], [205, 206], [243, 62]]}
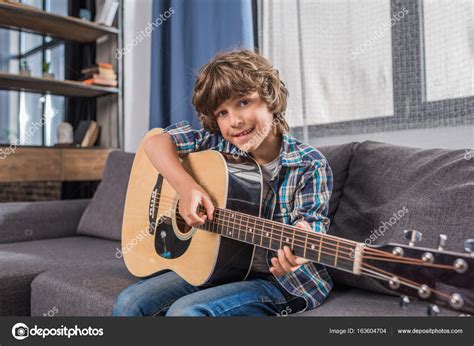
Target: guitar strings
{"points": [[227, 221], [396, 259], [300, 244], [402, 260], [300, 232], [373, 252], [401, 278], [379, 255]]}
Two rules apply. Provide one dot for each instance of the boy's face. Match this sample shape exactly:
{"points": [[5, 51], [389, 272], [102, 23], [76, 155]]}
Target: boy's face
{"points": [[246, 122]]}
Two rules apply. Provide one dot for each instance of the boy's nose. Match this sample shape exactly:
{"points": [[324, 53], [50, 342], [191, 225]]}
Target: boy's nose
{"points": [[235, 120]]}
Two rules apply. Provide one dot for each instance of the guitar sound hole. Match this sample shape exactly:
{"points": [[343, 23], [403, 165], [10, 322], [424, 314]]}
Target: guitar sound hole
{"points": [[183, 227]]}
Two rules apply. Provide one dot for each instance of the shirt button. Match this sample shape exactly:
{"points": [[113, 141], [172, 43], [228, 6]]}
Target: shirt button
{"points": [[283, 210]]}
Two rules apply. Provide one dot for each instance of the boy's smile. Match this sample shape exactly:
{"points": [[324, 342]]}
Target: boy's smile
{"points": [[246, 123]]}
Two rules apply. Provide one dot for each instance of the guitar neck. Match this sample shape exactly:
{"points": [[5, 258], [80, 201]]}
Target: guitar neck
{"points": [[326, 249]]}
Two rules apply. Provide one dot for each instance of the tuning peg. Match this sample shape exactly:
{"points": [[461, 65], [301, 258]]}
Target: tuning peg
{"points": [[442, 241], [413, 236], [404, 301], [433, 310], [469, 246]]}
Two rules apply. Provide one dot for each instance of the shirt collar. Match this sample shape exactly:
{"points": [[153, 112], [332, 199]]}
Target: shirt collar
{"points": [[289, 153]]}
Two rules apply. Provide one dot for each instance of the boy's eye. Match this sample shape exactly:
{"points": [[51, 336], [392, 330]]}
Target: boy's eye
{"points": [[244, 102], [221, 114]]}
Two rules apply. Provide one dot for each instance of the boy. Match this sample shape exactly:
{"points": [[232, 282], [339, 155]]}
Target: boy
{"points": [[241, 102]]}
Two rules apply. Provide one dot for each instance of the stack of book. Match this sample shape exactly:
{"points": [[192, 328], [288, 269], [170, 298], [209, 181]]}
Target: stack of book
{"points": [[99, 74]]}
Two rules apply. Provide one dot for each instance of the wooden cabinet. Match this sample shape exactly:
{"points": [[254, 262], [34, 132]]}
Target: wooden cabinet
{"points": [[51, 164]]}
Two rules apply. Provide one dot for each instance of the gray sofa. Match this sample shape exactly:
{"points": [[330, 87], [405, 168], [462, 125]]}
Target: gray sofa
{"points": [[61, 258]]}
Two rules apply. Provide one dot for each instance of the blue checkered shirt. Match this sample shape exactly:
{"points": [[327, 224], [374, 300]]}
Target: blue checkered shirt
{"points": [[301, 186]]}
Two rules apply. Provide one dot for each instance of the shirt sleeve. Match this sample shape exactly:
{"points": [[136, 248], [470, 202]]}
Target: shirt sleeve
{"points": [[188, 140], [312, 195]]}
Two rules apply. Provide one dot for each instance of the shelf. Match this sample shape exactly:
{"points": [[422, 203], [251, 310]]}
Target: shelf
{"points": [[9, 81], [52, 164], [31, 19]]}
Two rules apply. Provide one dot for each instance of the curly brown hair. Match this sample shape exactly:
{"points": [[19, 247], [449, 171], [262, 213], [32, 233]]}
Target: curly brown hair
{"points": [[235, 74]]}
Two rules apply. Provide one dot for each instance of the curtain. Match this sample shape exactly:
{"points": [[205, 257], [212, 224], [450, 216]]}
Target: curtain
{"points": [[335, 57], [186, 34]]}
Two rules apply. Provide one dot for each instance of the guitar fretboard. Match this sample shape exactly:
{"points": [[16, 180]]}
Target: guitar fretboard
{"points": [[318, 247]]}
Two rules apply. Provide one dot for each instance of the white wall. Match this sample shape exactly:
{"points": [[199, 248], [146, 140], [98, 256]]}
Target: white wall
{"points": [[137, 67], [460, 137]]}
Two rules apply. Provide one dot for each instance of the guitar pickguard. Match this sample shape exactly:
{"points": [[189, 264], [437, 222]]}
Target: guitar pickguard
{"points": [[167, 244]]}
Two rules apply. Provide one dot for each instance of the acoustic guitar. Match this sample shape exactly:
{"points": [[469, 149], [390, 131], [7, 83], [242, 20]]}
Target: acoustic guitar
{"points": [[156, 238]]}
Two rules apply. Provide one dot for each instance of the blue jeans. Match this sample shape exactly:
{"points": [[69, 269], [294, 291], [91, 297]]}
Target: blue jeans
{"points": [[168, 294]]}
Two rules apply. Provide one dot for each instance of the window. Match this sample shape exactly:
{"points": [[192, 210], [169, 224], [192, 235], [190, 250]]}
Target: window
{"points": [[29, 118], [448, 48], [335, 57]]}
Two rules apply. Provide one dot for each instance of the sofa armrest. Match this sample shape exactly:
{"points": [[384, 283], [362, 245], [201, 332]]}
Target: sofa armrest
{"points": [[24, 221]]}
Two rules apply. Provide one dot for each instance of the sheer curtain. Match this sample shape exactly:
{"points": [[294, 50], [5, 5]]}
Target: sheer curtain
{"points": [[334, 56]]}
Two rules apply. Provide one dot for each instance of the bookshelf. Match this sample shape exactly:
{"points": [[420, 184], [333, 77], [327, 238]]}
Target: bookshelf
{"points": [[30, 19], [56, 163], [9, 81], [17, 16]]}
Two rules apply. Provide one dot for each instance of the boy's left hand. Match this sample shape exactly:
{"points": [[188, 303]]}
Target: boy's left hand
{"points": [[286, 261]]}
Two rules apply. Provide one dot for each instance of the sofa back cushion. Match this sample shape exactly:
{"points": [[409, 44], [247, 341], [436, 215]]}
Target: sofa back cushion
{"points": [[393, 188], [339, 158], [103, 216]]}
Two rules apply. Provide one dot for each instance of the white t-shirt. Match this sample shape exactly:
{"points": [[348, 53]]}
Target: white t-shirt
{"points": [[259, 263]]}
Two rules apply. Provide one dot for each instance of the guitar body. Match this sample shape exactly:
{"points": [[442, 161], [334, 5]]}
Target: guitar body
{"points": [[154, 239]]}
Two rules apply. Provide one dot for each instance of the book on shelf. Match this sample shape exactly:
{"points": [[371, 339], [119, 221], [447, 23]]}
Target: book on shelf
{"points": [[99, 74], [106, 12], [106, 74], [86, 133], [100, 81], [104, 65]]}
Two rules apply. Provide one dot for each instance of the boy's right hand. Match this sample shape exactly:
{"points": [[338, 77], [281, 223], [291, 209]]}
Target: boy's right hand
{"points": [[191, 195]]}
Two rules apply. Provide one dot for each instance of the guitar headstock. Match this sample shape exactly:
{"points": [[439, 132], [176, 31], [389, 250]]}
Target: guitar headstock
{"points": [[438, 276]]}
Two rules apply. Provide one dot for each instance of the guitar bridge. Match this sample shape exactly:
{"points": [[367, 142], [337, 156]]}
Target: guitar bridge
{"points": [[358, 254]]}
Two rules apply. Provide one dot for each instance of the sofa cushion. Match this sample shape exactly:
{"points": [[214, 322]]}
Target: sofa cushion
{"points": [[26, 221], [350, 301], [21, 263], [103, 216], [87, 291], [393, 188], [339, 158], [17, 271]]}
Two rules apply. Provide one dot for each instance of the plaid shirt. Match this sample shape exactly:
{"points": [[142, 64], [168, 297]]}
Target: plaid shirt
{"points": [[303, 181]]}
